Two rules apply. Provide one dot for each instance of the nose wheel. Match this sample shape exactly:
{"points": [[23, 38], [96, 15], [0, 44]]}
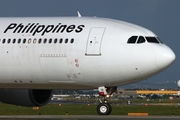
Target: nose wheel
{"points": [[104, 108]]}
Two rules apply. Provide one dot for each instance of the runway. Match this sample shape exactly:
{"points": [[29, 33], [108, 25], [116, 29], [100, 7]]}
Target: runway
{"points": [[86, 117]]}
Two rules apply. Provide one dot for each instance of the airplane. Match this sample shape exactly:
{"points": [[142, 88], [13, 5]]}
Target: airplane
{"points": [[40, 54]]}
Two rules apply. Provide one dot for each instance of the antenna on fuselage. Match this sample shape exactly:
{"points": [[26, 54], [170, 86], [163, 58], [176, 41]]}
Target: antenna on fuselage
{"points": [[79, 15]]}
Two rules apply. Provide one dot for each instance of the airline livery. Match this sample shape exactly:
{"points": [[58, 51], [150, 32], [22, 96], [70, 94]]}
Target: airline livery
{"points": [[36, 28], [39, 54]]}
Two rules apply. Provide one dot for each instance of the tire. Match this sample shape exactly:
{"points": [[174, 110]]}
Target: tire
{"points": [[104, 109]]}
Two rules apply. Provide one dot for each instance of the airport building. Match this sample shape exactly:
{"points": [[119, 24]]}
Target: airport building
{"points": [[136, 93], [163, 92]]}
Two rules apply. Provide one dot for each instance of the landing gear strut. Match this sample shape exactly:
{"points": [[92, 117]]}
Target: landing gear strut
{"points": [[104, 108]]}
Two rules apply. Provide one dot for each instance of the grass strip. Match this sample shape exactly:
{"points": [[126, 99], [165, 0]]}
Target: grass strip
{"points": [[83, 109]]}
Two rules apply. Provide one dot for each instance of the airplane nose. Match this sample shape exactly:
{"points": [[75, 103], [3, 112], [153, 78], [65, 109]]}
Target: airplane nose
{"points": [[164, 57]]}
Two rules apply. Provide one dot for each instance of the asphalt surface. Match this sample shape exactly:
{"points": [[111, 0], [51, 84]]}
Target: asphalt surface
{"points": [[86, 117]]}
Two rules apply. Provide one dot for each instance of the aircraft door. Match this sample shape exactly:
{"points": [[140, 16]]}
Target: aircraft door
{"points": [[94, 41]]}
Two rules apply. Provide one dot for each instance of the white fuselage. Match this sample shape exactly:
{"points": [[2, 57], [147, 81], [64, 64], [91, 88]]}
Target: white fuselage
{"points": [[78, 53]]}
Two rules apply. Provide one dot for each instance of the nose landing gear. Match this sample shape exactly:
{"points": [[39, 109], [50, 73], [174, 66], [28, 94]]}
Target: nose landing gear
{"points": [[104, 108]]}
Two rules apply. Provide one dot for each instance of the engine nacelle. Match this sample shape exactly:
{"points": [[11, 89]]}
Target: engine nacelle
{"points": [[23, 97], [178, 83]]}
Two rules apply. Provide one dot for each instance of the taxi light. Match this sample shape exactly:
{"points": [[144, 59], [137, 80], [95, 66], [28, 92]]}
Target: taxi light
{"points": [[107, 96]]}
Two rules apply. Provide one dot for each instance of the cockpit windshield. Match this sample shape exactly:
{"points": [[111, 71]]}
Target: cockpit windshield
{"points": [[132, 39], [143, 39], [152, 40]]}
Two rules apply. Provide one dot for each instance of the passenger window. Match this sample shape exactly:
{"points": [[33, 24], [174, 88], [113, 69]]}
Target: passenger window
{"points": [[9, 40], [4, 40], [19, 41], [152, 40], [66, 40], [72, 40], [39, 40], [24, 41], [132, 40], [29, 41], [55, 40], [45, 40], [141, 40], [61, 40], [14, 40], [34, 41], [50, 40]]}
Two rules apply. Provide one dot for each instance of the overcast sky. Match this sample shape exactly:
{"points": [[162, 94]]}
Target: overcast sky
{"points": [[160, 16]]}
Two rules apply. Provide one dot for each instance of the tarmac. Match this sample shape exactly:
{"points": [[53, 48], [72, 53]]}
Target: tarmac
{"points": [[86, 117]]}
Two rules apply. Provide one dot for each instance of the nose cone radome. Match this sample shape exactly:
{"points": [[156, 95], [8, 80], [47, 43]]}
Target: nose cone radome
{"points": [[164, 57]]}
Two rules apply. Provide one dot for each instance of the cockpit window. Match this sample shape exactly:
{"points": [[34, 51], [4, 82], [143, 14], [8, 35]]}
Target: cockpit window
{"points": [[141, 39], [132, 39], [152, 40]]}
